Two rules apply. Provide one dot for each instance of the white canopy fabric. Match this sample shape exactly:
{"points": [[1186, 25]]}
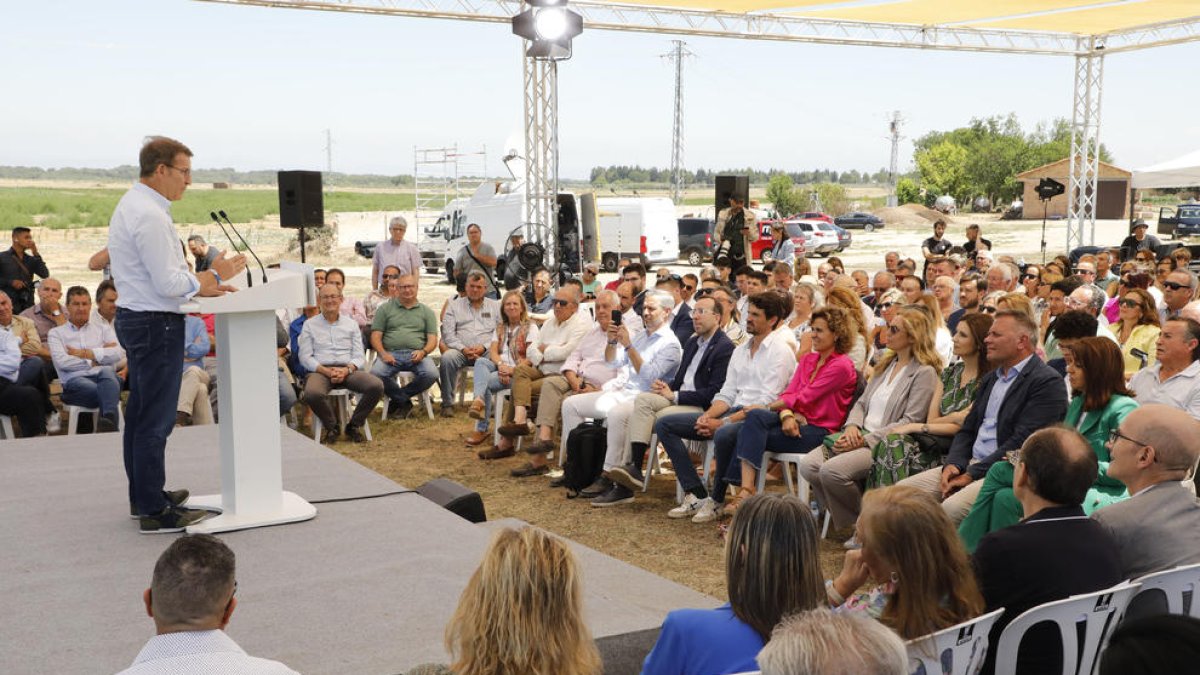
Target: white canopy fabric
{"points": [[1179, 172]]}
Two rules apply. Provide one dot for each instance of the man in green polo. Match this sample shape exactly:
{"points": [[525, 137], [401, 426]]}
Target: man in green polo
{"points": [[403, 334]]}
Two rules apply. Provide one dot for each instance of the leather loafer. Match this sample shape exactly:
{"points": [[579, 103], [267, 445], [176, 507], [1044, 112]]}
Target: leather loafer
{"points": [[540, 447], [513, 430], [529, 470], [496, 452], [477, 437]]}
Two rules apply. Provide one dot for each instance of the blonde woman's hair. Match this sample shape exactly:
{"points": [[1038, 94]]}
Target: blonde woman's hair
{"points": [[1018, 302], [522, 611], [771, 564], [524, 308], [935, 310], [935, 585], [840, 296], [921, 333], [815, 292]]}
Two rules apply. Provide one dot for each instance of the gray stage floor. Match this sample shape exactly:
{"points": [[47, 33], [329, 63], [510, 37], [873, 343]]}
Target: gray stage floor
{"points": [[365, 587]]}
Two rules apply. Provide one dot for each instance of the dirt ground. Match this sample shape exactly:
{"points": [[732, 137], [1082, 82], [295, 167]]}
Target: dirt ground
{"points": [[414, 451]]}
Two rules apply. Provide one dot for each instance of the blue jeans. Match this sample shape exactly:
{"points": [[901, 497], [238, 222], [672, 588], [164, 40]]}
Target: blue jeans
{"points": [[487, 383], [424, 372], [673, 429], [287, 394], [99, 390], [153, 343], [763, 429]]}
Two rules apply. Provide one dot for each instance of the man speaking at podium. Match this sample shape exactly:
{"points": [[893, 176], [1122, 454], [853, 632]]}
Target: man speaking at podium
{"points": [[153, 280]]}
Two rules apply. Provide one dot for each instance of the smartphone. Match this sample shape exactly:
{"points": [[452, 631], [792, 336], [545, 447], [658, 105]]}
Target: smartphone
{"points": [[616, 317]]}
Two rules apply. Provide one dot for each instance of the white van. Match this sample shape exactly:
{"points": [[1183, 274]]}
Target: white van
{"points": [[637, 228]]}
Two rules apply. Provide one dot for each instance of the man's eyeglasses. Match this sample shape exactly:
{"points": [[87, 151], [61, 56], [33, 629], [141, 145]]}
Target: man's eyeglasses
{"points": [[1116, 434], [1175, 286], [186, 172], [686, 287], [391, 276], [703, 293], [559, 302], [1081, 271], [700, 311]]}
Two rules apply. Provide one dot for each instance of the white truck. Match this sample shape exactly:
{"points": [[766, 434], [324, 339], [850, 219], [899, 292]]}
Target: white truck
{"points": [[589, 229]]}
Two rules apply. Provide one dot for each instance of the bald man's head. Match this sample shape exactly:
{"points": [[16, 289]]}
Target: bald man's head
{"points": [[1169, 431], [1060, 465]]}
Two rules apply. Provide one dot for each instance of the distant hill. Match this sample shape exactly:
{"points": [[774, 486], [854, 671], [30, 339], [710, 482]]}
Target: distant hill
{"points": [[128, 173]]}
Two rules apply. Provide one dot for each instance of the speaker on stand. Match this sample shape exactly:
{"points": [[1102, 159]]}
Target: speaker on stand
{"points": [[301, 202]]}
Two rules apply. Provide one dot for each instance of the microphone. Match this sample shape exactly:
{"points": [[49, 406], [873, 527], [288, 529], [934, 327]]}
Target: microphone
{"points": [[247, 245], [213, 215]]}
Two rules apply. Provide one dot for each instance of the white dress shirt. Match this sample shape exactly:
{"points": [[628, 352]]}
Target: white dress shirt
{"points": [[588, 362], [200, 652], [330, 344], [556, 341], [10, 355], [761, 378], [148, 264], [93, 336], [660, 355]]}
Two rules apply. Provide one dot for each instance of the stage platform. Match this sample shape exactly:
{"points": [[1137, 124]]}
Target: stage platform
{"points": [[365, 587]]}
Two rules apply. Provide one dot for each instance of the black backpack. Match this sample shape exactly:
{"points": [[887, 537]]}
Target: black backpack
{"points": [[586, 446]]}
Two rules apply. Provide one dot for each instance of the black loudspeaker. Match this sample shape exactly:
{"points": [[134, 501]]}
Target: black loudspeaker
{"points": [[457, 499], [732, 186], [301, 203]]}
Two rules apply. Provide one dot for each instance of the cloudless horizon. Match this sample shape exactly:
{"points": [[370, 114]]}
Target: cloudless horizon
{"points": [[255, 88]]}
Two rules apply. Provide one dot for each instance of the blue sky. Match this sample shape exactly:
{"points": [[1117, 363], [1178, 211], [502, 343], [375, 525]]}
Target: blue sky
{"points": [[255, 88]]}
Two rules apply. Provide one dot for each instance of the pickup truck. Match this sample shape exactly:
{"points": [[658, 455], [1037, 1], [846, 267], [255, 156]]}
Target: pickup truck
{"points": [[1179, 221]]}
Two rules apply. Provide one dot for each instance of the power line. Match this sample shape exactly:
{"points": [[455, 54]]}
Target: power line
{"points": [[677, 55]]}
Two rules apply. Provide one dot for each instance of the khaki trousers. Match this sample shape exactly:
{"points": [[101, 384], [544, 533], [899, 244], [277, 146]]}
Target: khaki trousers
{"points": [[956, 505], [193, 396]]}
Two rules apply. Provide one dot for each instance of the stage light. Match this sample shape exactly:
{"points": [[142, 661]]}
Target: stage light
{"points": [[549, 26]]}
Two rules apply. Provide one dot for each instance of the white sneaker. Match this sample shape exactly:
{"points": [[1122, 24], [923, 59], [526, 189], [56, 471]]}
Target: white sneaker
{"points": [[53, 423], [709, 511], [691, 504]]}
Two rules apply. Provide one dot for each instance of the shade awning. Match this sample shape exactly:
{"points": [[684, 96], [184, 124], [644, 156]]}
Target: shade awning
{"points": [[1179, 172]]}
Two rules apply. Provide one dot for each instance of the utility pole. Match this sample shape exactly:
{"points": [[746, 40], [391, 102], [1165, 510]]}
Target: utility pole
{"points": [[677, 55], [894, 167], [328, 153]]}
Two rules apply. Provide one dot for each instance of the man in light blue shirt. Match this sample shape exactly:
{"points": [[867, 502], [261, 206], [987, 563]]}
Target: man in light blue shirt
{"points": [[331, 351], [653, 356], [153, 280], [85, 354], [21, 401]]}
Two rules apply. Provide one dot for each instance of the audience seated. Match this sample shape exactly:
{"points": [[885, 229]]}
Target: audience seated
{"points": [[1137, 330], [758, 371], [46, 314], [806, 299], [1100, 403], [653, 356], [859, 349], [822, 642], [331, 350], [194, 406], [469, 326], [1152, 646], [85, 354], [1021, 396], [1055, 552], [507, 351], [1175, 379], [1069, 328], [21, 401], [898, 394], [191, 598], [681, 313], [1158, 527], [700, 375], [521, 612], [915, 447], [404, 334], [31, 369], [922, 580], [771, 572]]}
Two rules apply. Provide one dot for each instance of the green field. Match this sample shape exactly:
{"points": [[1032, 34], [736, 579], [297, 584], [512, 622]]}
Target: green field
{"points": [[63, 208]]}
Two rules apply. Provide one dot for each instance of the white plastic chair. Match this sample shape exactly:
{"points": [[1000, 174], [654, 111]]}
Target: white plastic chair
{"points": [[800, 488], [1099, 612], [499, 398], [6, 427], [403, 378], [957, 650], [1174, 583], [340, 400], [74, 411], [657, 468]]}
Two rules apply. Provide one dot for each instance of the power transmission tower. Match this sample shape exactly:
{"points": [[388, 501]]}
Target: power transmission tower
{"points": [[328, 153], [894, 167], [677, 55]]}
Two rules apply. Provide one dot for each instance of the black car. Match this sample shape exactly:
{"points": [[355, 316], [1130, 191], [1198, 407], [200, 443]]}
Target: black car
{"points": [[858, 219], [695, 240]]}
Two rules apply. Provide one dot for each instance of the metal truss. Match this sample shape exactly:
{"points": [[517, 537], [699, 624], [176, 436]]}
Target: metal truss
{"points": [[1083, 179], [768, 26], [541, 154]]}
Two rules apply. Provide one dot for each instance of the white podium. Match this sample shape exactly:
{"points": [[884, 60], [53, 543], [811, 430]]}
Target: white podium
{"points": [[252, 493]]}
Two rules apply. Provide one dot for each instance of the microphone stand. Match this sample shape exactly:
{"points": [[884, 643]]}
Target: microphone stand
{"points": [[213, 215], [247, 245]]}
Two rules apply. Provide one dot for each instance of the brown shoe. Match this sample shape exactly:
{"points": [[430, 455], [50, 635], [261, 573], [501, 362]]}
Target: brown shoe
{"points": [[513, 429], [540, 447], [477, 409], [529, 470], [477, 437], [496, 452]]}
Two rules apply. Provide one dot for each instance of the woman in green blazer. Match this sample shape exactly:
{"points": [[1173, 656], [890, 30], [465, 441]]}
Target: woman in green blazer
{"points": [[1095, 369]]}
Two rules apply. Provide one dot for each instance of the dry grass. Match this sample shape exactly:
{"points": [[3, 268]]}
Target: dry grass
{"points": [[417, 450]]}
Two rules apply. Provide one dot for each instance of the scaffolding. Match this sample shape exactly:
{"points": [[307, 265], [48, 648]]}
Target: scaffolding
{"points": [[440, 176]]}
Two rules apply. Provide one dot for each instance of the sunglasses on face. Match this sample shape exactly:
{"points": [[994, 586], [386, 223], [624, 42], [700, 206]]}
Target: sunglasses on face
{"points": [[986, 309], [1130, 303], [688, 288], [703, 293], [561, 303], [1174, 286], [391, 276], [1026, 277]]}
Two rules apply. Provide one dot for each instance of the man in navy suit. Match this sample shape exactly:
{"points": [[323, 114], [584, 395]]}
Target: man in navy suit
{"points": [[700, 376], [1019, 397], [681, 316]]}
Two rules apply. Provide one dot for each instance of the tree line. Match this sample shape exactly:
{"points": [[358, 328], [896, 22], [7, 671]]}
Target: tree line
{"points": [[604, 175], [129, 172]]}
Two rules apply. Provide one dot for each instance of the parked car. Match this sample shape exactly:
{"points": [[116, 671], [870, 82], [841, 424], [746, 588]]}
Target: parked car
{"points": [[858, 219], [1179, 221], [813, 215], [820, 237], [760, 249], [696, 240], [843, 236]]}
